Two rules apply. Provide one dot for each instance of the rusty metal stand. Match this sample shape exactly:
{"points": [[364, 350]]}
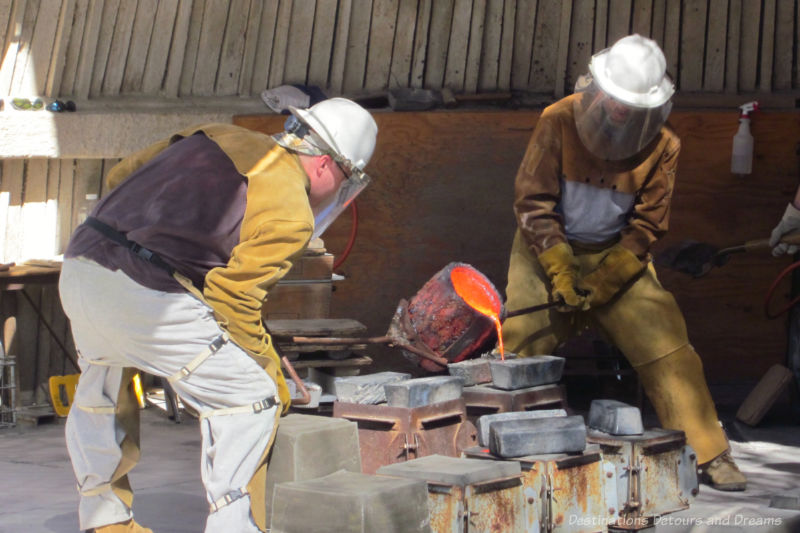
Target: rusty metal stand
{"points": [[390, 435], [566, 492], [656, 474]]}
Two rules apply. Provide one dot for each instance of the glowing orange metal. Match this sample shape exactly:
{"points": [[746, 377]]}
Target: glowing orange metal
{"points": [[479, 295]]}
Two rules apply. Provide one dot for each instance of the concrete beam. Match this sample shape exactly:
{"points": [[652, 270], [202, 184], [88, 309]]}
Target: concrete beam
{"points": [[110, 128]]}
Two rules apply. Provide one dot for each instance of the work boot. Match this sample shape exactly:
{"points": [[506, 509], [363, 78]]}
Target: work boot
{"points": [[723, 474], [122, 527]]}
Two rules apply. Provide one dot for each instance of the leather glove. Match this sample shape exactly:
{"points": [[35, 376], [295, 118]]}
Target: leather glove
{"points": [[617, 268], [789, 223], [562, 268]]}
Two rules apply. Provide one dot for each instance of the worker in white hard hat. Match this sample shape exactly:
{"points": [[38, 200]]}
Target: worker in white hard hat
{"points": [[592, 195], [168, 275]]}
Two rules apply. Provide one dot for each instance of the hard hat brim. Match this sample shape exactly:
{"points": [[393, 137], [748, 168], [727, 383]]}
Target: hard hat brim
{"points": [[655, 98]]}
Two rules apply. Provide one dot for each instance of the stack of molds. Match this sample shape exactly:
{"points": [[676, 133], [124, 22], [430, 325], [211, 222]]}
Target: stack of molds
{"points": [[655, 469], [565, 481], [421, 417], [565, 493], [513, 384], [469, 495]]}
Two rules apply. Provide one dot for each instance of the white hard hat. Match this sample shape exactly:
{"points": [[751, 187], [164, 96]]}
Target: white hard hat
{"points": [[347, 128], [633, 71]]}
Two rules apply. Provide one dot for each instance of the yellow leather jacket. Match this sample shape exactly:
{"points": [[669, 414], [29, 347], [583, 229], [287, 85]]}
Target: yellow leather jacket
{"points": [[561, 186], [275, 230]]}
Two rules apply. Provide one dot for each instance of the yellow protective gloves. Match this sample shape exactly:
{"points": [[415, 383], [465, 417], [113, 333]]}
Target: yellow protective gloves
{"points": [[561, 267], [616, 269]]}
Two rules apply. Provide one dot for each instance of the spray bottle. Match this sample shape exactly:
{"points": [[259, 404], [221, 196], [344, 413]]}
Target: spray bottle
{"points": [[742, 156]]}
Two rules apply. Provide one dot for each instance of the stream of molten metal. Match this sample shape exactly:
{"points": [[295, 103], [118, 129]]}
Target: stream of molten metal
{"points": [[479, 295]]}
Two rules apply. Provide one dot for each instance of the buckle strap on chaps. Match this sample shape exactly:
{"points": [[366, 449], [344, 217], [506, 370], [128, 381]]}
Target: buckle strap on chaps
{"points": [[228, 499], [190, 367], [100, 489], [98, 410], [255, 408]]}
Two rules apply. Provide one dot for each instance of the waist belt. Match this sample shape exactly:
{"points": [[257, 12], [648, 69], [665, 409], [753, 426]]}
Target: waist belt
{"points": [[120, 238]]}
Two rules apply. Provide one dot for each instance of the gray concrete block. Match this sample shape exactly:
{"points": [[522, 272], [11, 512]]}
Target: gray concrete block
{"points": [[324, 376], [485, 421], [615, 417], [308, 447], [525, 372], [472, 371], [423, 391], [347, 502], [537, 436], [367, 388], [452, 470]]}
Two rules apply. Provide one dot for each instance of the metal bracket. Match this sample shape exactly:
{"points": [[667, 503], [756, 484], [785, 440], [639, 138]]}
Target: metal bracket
{"points": [[408, 446]]}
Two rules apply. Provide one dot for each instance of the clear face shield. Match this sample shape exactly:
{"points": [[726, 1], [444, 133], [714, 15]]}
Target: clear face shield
{"points": [[298, 138], [613, 130], [332, 206]]}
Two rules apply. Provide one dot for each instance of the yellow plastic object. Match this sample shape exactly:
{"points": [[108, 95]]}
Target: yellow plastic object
{"points": [[62, 392], [137, 389]]}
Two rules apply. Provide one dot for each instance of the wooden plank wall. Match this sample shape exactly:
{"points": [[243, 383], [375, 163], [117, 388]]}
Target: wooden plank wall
{"points": [[101, 49], [86, 49]]}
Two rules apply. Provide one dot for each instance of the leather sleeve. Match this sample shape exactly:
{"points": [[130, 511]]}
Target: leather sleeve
{"points": [[275, 231], [649, 220], [537, 188], [238, 291]]}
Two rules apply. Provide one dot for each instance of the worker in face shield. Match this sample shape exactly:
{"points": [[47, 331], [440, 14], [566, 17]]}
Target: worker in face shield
{"points": [[592, 195], [168, 275]]}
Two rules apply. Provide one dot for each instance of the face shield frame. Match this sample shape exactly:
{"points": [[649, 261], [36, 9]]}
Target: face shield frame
{"points": [[610, 128], [298, 137]]}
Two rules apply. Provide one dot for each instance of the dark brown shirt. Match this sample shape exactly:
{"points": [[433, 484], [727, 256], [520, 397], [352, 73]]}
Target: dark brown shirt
{"points": [[186, 204]]}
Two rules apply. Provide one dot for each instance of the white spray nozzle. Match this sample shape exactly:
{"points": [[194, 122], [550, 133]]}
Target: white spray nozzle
{"points": [[748, 108]]}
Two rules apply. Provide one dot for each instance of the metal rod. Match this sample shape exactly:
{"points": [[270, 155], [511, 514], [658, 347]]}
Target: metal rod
{"points": [[372, 340], [306, 399], [532, 309], [342, 340], [418, 351]]}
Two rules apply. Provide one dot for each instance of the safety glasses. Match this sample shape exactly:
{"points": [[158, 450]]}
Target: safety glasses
{"points": [[314, 145], [25, 104]]}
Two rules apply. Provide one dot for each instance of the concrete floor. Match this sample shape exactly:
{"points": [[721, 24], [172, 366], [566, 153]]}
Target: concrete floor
{"points": [[39, 495]]}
